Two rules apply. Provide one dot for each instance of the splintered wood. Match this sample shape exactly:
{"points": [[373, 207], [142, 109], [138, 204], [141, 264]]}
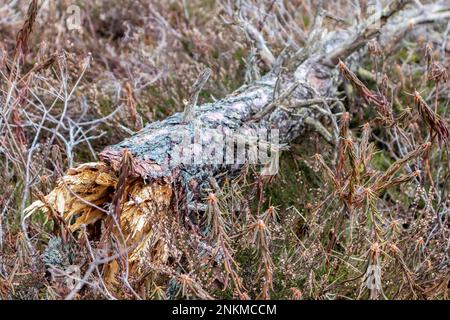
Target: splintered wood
{"points": [[83, 198]]}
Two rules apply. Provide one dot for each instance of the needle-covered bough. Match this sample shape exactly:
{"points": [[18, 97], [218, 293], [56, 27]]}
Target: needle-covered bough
{"points": [[137, 199]]}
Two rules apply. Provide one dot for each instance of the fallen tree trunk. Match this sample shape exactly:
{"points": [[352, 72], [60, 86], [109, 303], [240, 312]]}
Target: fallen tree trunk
{"points": [[127, 202]]}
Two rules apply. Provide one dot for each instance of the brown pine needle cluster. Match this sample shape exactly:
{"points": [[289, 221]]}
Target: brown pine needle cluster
{"points": [[433, 121], [378, 99]]}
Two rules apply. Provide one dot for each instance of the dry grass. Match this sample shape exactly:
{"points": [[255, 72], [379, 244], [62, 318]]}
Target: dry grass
{"points": [[380, 198]]}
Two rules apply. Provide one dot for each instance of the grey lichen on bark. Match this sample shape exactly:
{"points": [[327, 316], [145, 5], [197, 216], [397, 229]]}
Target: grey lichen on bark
{"points": [[305, 75], [314, 76]]}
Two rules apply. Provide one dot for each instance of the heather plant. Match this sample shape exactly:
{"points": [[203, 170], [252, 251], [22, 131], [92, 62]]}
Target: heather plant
{"points": [[359, 208]]}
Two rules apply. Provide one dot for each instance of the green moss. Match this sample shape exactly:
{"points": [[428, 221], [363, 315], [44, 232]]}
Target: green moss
{"points": [[291, 185], [380, 161], [403, 53], [205, 96], [188, 46], [216, 54], [41, 219], [161, 105], [239, 55], [306, 20]]}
